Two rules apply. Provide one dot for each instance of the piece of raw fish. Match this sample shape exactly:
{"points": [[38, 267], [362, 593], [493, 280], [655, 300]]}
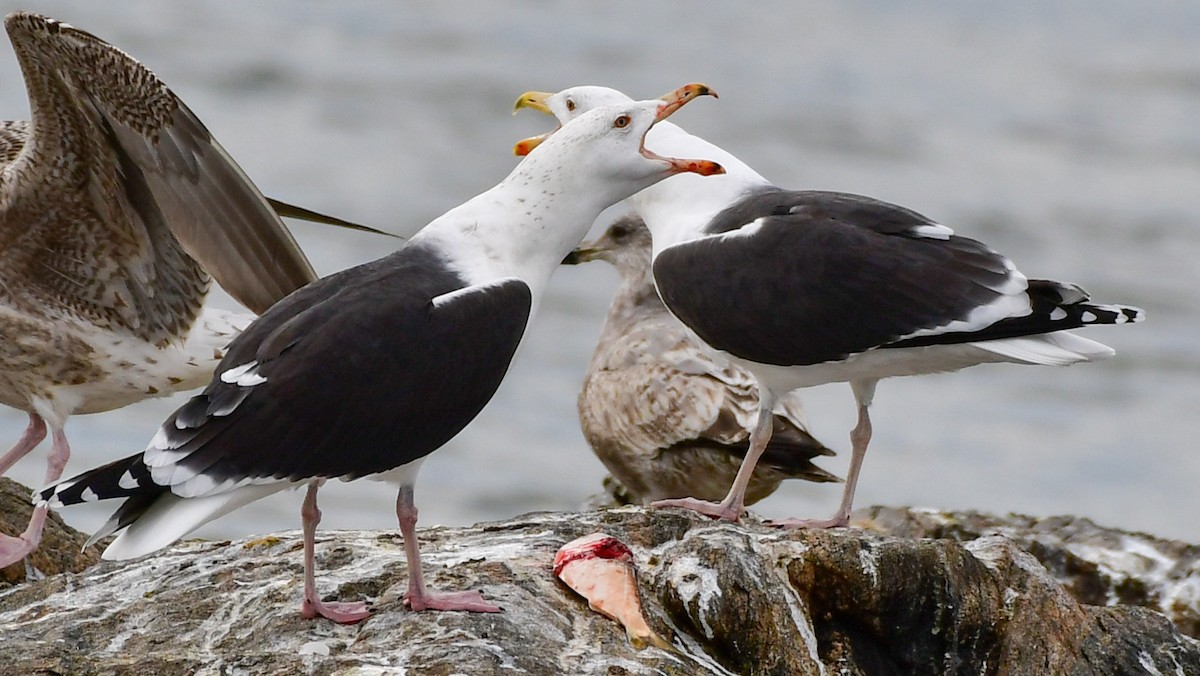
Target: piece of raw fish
{"points": [[599, 568]]}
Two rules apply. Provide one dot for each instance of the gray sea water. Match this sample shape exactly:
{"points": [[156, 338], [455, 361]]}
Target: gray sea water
{"points": [[1064, 133]]}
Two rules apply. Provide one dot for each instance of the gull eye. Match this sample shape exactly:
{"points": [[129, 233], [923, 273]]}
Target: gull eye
{"points": [[570, 105], [621, 122]]}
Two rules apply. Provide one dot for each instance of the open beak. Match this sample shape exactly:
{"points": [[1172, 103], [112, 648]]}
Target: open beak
{"points": [[675, 100], [535, 100], [526, 145], [672, 102]]}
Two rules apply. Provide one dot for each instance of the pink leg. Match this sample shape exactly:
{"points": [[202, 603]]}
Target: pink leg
{"points": [[734, 504], [313, 606], [13, 549], [420, 598], [860, 437], [34, 433]]}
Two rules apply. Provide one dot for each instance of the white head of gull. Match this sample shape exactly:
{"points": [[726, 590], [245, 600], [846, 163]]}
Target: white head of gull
{"points": [[809, 287], [366, 372], [116, 204]]}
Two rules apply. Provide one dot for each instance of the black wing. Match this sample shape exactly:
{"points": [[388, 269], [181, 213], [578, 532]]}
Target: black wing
{"points": [[358, 374], [809, 277]]}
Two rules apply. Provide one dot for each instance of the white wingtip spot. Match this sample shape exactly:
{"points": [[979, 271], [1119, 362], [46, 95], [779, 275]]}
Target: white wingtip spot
{"points": [[37, 500], [1058, 314], [1087, 317], [127, 481], [89, 495]]}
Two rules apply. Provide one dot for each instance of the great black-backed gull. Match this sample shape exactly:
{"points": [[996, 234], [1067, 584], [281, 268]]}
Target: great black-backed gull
{"points": [[116, 205], [810, 287], [366, 372], [667, 415]]}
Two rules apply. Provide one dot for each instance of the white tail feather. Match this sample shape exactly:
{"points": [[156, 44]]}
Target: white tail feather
{"points": [[172, 517], [1060, 348]]}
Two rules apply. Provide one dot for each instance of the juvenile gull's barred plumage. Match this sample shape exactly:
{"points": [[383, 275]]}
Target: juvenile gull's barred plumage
{"points": [[116, 205], [667, 415], [366, 372], [811, 287]]}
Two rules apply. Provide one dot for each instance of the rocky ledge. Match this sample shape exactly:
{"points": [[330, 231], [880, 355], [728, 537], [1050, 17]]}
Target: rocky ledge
{"points": [[907, 592]]}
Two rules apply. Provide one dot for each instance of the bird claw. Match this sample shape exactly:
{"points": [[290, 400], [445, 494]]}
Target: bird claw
{"points": [[710, 509], [469, 601]]}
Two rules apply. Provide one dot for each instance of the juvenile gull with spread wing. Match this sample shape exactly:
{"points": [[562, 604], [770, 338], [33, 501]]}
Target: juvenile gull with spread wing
{"points": [[116, 204]]}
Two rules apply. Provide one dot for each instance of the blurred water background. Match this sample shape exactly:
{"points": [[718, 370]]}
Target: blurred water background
{"points": [[1065, 134]]}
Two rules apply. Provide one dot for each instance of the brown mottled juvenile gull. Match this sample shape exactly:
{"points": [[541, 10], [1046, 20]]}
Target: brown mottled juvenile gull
{"points": [[666, 415], [116, 204]]}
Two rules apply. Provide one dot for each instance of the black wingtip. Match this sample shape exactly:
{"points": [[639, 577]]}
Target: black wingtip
{"points": [[118, 479], [286, 210]]}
